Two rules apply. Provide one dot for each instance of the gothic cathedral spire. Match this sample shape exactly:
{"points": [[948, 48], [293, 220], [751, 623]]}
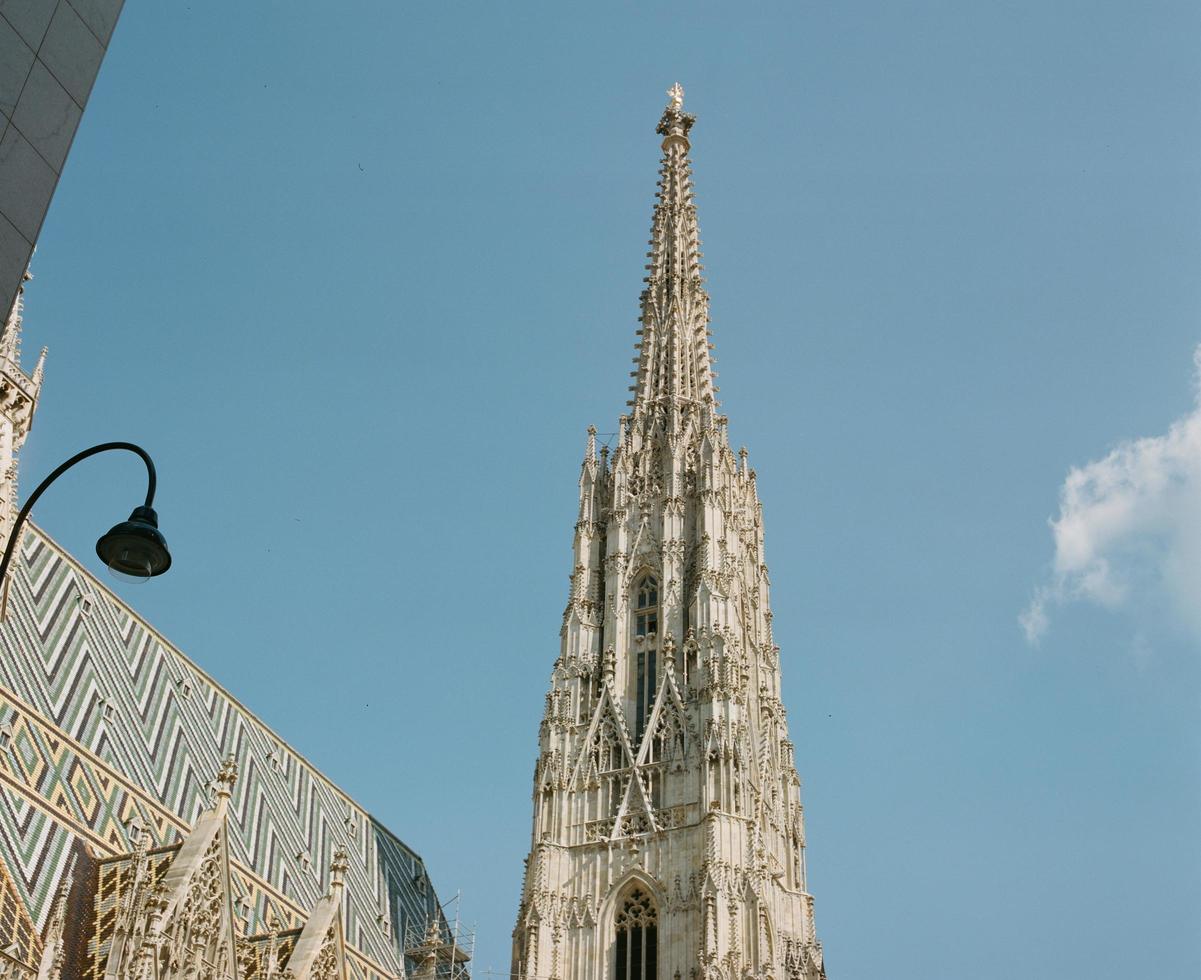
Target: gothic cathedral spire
{"points": [[668, 837], [674, 372]]}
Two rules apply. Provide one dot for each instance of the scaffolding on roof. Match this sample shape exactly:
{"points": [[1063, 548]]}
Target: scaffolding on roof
{"points": [[443, 948]]}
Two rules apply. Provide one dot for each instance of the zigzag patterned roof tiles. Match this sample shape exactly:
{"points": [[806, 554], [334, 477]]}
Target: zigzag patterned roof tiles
{"points": [[104, 724]]}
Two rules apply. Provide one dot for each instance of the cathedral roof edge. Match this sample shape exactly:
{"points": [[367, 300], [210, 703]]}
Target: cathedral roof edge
{"points": [[202, 674]]}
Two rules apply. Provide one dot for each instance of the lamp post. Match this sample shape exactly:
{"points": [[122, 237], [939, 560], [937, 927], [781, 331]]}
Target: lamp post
{"points": [[133, 547]]}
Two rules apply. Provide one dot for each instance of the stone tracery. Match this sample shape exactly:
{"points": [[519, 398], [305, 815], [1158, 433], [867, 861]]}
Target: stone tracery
{"points": [[665, 697]]}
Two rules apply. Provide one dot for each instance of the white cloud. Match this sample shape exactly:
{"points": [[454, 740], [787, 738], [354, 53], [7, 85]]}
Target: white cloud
{"points": [[1129, 528]]}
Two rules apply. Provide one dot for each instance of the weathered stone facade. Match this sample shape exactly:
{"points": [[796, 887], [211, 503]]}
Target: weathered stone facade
{"points": [[18, 401], [668, 839]]}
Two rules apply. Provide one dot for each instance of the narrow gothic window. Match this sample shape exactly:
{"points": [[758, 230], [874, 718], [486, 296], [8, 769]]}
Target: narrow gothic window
{"points": [[645, 695], [646, 624], [654, 779], [646, 619], [589, 693], [637, 945]]}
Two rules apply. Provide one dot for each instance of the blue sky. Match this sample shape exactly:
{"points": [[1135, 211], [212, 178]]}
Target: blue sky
{"points": [[359, 278]]}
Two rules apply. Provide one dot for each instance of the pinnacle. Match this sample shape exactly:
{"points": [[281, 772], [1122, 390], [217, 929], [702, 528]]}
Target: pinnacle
{"points": [[10, 333], [673, 364]]}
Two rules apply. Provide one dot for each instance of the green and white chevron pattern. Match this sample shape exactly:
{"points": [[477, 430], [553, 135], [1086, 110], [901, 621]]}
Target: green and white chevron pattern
{"points": [[102, 720]]}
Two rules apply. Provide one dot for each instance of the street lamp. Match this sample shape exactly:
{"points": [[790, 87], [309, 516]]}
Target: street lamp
{"points": [[133, 547]]}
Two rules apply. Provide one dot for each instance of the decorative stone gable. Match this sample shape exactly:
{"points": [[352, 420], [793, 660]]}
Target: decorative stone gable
{"points": [[320, 952], [168, 913], [668, 835]]}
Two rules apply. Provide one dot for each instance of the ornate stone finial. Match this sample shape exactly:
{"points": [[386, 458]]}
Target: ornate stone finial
{"points": [[227, 776], [675, 123], [338, 868], [156, 901]]}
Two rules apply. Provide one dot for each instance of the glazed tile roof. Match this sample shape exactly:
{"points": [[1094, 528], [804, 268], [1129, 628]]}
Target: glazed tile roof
{"points": [[107, 723]]}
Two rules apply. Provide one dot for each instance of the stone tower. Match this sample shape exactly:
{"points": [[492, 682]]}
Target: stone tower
{"points": [[668, 840], [18, 401]]}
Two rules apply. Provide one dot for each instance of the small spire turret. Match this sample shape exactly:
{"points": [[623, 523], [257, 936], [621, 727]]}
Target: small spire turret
{"points": [[337, 870], [227, 775], [590, 450], [39, 369]]}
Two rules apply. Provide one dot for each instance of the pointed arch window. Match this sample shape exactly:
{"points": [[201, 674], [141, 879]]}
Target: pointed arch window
{"points": [[646, 610], [637, 945], [646, 627]]}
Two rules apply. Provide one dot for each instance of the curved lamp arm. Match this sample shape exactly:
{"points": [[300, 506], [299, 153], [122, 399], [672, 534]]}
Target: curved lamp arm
{"points": [[15, 534]]}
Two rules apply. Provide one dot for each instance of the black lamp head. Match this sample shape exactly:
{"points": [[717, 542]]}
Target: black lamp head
{"points": [[136, 547]]}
